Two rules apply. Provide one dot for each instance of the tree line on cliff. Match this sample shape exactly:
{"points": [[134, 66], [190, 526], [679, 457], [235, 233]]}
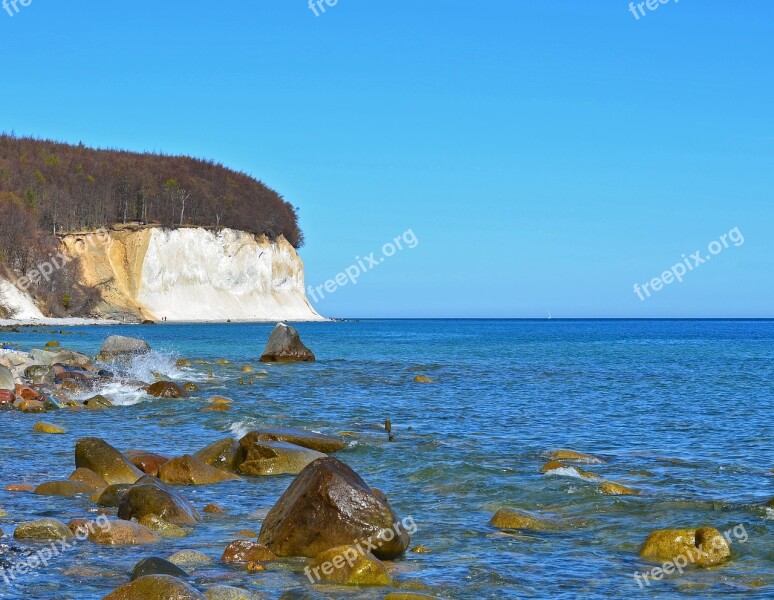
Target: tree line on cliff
{"points": [[49, 188]]}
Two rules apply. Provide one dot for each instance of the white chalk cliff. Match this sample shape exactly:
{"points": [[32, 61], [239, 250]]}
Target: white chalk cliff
{"points": [[198, 275], [188, 274]]}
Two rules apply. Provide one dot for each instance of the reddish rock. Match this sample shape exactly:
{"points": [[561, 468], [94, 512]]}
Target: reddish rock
{"points": [[26, 392], [7, 398], [147, 462]]}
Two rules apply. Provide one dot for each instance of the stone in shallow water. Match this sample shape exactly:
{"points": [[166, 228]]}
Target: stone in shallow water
{"points": [[223, 454], [573, 456], [88, 477], [105, 461], [244, 551], [516, 519], [161, 527], [285, 345], [155, 565], [327, 444], [43, 427], [226, 592], [156, 587], [63, 488], [701, 547], [118, 347], [43, 529], [147, 462], [329, 505], [189, 470], [116, 532], [347, 565], [151, 497], [274, 458], [166, 389], [610, 488], [190, 558]]}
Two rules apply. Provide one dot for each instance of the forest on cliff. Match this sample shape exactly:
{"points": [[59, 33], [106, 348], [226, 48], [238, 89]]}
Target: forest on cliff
{"points": [[49, 188]]}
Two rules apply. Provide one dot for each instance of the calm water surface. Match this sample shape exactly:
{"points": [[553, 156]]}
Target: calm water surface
{"points": [[678, 409]]}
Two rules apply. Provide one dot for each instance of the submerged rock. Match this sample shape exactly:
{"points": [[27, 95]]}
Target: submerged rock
{"points": [[610, 488], [516, 519], [163, 528], [97, 402], [274, 458], [189, 470], [423, 379], [117, 533], [327, 444], [347, 565], [63, 488], [151, 497], [43, 529], [156, 587], [226, 592], [155, 565], [573, 456], [107, 462], [702, 547], [329, 505], [285, 345], [118, 347], [166, 389], [190, 558], [42, 427]]}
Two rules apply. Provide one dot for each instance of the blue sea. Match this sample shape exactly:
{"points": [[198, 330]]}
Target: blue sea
{"points": [[677, 409]]}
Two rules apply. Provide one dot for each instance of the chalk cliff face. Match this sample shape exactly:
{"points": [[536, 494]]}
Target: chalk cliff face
{"points": [[193, 274]]}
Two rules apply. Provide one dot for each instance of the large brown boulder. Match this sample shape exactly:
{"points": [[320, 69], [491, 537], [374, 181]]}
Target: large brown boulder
{"points": [[285, 345], [63, 488], [155, 587], [327, 444], [274, 458], [89, 477], [166, 389], [189, 470], [105, 461], [329, 505], [115, 533], [147, 462], [151, 497], [702, 547], [224, 454]]}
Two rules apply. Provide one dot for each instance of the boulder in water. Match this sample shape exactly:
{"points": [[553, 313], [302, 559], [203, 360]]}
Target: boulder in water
{"points": [[43, 529], [147, 462], [274, 458], [224, 454], [118, 347], [348, 565], [245, 551], [151, 497], [105, 461], [166, 389], [702, 547], [516, 519], [155, 565], [189, 470], [327, 444], [285, 345], [329, 505], [156, 587]]}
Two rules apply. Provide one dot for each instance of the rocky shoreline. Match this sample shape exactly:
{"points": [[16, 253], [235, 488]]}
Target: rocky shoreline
{"points": [[329, 527]]}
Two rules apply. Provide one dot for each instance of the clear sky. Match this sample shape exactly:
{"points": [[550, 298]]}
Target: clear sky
{"points": [[547, 155]]}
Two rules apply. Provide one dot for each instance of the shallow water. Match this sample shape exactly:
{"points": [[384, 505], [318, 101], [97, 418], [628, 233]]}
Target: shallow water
{"points": [[678, 409]]}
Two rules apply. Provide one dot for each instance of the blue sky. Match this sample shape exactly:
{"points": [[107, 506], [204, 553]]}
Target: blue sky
{"points": [[547, 155]]}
